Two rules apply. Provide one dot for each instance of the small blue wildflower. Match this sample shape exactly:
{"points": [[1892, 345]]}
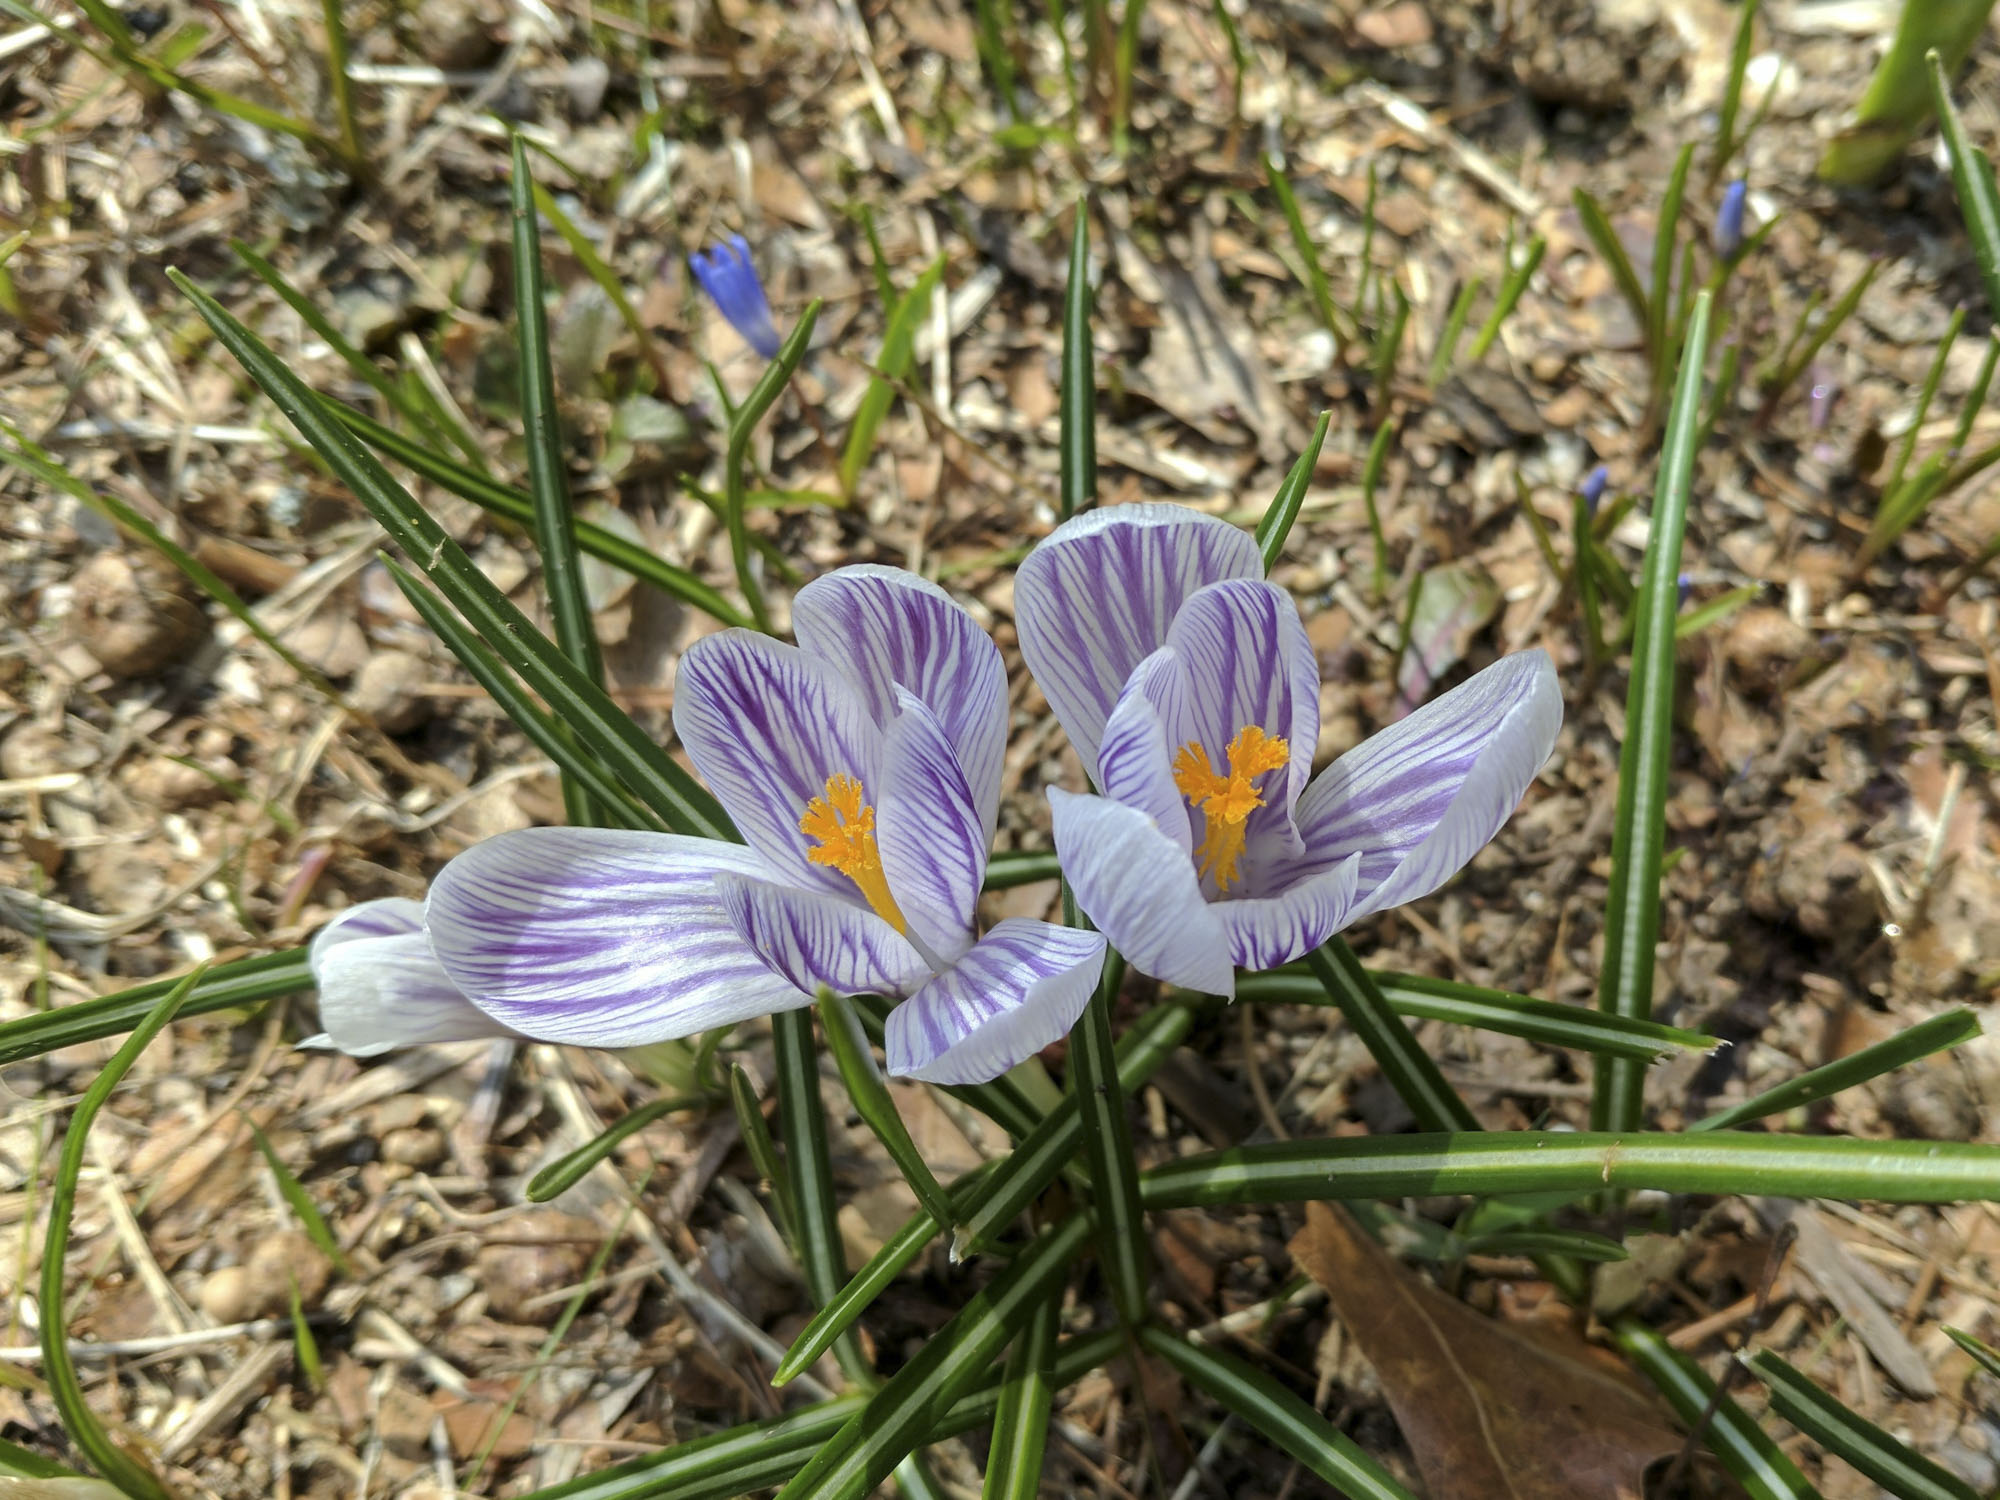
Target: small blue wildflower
{"points": [[1685, 585], [1824, 393], [730, 280], [1729, 220], [1593, 488]]}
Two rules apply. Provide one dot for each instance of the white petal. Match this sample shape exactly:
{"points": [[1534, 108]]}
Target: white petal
{"points": [[1020, 988], [814, 939], [929, 833], [380, 993]]}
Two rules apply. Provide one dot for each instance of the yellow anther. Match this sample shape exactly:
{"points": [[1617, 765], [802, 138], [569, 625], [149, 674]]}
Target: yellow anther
{"points": [[843, 826], [1226, 801]]}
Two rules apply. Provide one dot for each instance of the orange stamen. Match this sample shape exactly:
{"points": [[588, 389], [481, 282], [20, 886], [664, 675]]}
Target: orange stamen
{"points": [[1226, 802], [843, 826]]}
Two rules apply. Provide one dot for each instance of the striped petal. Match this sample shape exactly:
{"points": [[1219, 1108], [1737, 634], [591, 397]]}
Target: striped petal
{"points": [[1135, 762], [814, 939], [1098, 596], [1267, 931], [766, 724], [1418, 800], [1140, 890], [888, 629], [379, 992], [928, 830], [1020, 988], [601, 937], [1249, 663]]}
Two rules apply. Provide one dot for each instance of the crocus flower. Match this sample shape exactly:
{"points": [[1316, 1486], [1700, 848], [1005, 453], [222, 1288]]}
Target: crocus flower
{"points": [[1190, 691], [1592, 488], [1729, 220], [730, 280], [380, 987], [862, 767]]}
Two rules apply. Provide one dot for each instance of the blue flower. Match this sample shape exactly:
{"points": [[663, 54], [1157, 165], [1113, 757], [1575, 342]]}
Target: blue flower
{"points": [[730, 280], [1593, 488], [1729, 220]]}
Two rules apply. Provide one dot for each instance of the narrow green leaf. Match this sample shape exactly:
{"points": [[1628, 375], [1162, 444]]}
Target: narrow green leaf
{"points": [[1665, 234], [777, 375], [79, 1422], [613, 807], [1987, 1357], [1308, 251], [1284, 507], [1897, 102], [597, 270], [1389, 347], [625, 748], [763, 1151], [1078, 398], [1714, 611], [1750, 1455], [1420, 997], [1954, 1027], [340, 86], [1511, 287], [548, 481], [1632, 917], [1925, 396], [870, 1097], [564, 1173], [1005, 871], [1584, 575], [1577, 1244], [512, 504], [1732, 92], [304, 1345], [1612, 251], [1107, 1147], [17, 1462], [1409, 1069], [1446, 353], [299, 1201], [1975, 398], [232, 986], [1529, 1161], [1371, 480], [1021, 1421], [802, 1126], [898, 338], [1280, 1416], [1823, 1418], [1972, 178], [898, 1417], [1804, 350]]}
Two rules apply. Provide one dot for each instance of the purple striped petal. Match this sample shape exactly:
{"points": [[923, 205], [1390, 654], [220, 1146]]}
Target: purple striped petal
{"points": [[390, 916], [377, 993], [1418, 800], [814, 939], [1098, 596], [928, 830], [1140, 889], [766, 724], [1135, 762], [1267, 931], [1249, 663], [1020, 988], [601, 937], [887, 629]]}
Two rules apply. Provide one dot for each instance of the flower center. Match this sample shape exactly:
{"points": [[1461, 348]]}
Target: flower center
{"points": [[1226, 801], [843, 826]]}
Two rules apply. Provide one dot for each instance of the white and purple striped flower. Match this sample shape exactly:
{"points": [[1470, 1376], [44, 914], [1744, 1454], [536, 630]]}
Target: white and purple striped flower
{"points": [[862, 767], [1190, 691]]}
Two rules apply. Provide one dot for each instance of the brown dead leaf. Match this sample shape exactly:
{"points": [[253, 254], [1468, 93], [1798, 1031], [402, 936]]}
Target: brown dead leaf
{"points": [[1489, 1410], [1402, 25]]}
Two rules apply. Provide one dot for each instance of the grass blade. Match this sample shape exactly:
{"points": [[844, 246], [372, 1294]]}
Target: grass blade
{"points": [[613, 806], [1079, 377], [1746, 1450], [1553, 1025], [548, 483], [607, 281], [763, 1150], [232, 986], [777, 375], [1532, 1161], [1612, 249], [1824, 1419], [1284, 507], [1925, 396], [1308, 252], [625, 748], [1511, 288], [79, 1421], [1732, 92], [1409, 1069], [1972, 178], [340, 85], [802, 1125], [898, 1417], [564, 1173], [303, 1208], [1632, 919], [1284, 1419], [1107, 1147], [1021, 1421], [898, 339], [1665, 234], [1987, 1357], [1954, 1027], [870, 1097], [1446, 354], [1804, 352], [512, 504], [1005, 871]]}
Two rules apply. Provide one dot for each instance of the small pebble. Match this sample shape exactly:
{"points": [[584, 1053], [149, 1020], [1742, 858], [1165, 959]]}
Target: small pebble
{"points": [[388, 689], [135, 615], [541, 1251]]}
